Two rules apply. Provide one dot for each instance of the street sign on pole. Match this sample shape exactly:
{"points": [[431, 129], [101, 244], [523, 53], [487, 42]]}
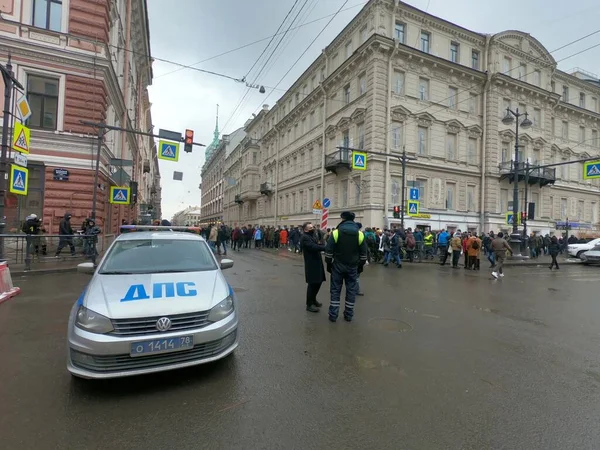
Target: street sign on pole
{"points": [[414, 194], [120, 195], [326, 203], [19, 180], [21, 138], [20, 159], [591, 170], [359, 161], [23, 108], [510, 218], [317, 204], [168, 151], [413, 207], [169, 135]]}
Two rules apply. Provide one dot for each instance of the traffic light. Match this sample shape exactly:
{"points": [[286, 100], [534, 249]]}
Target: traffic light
{"points": [[396, 212], [523, 216], [189, 141]]}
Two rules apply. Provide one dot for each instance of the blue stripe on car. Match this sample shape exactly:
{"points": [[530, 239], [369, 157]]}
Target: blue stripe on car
{"points": [[81, 297]]}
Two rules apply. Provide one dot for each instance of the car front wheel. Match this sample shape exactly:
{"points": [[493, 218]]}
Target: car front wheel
{"points": [[579, 254]]}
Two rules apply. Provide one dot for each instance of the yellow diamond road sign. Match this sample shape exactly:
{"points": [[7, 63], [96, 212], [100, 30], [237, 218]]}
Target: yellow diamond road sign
{"points": [[317, 204], [21, 138], [23, 108]]}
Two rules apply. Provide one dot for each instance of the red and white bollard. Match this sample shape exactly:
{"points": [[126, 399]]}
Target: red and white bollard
{"points": [[324, 218], [7, 290]]}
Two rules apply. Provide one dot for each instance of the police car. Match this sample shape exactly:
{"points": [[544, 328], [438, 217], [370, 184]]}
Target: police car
{"points": [[157, 301]]}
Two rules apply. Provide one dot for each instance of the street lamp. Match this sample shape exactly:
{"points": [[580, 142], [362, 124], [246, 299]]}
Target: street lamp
{"points": [[515, 237]]}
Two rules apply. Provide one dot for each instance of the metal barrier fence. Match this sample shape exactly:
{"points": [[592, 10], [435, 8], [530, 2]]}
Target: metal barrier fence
{"points": [[41, 249]]}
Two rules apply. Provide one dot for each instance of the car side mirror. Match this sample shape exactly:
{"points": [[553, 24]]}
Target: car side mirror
{"points": [[86, 267], [226, 264]]}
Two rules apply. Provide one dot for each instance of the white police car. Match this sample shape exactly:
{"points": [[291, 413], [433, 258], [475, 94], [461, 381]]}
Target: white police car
{"points": [[157, 301]]}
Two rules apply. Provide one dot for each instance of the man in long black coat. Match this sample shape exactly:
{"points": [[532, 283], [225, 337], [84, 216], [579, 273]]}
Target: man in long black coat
{"points": [[314, 270]]}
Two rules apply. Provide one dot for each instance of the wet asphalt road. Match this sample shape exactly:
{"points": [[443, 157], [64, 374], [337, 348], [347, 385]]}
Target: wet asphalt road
{"points": [[435, 359]]}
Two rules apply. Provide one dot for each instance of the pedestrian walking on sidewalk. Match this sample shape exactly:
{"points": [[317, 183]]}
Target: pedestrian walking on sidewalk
{"points": [[314, 271], [66, 235], [554, 250], [500, 247]]}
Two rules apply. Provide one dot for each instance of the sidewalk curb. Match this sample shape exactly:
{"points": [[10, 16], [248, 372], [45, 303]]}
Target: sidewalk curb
{"points": [[21, 272]]}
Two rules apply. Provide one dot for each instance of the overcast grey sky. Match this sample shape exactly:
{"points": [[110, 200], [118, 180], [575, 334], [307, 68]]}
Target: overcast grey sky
{"points": [[189, 31]]}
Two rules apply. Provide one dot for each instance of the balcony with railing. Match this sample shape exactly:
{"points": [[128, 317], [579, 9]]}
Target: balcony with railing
{"points": [[534, 175], [266, 188], [339, 159], [248, 142]]}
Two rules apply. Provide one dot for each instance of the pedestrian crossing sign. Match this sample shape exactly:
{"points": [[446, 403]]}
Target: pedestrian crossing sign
{"points": [[413, 208], [169, 151], [119, 195], [21, 138], [510, 218], [359, 160], [19, 180], [591, 170]]}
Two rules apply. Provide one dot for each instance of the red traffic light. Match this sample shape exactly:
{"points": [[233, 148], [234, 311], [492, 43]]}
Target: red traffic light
{"points": [[189, 137], [396, 209]]}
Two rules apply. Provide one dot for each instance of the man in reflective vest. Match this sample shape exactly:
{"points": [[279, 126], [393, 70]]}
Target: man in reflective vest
{"points": [[345, 256]]}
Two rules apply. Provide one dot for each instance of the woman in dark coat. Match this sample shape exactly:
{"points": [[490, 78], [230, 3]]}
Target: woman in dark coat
{"points": [[554, 249], [313, 266]]}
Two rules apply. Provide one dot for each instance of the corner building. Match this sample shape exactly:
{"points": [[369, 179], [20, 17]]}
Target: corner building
{"points": [[82, 60], [397, 77]]}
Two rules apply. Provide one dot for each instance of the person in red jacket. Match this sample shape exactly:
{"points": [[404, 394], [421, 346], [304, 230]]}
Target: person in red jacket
{"points": [[283, 237], [235, 237]]}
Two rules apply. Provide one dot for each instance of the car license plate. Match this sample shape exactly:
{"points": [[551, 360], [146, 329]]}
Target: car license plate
{"points": [[162, 345]]}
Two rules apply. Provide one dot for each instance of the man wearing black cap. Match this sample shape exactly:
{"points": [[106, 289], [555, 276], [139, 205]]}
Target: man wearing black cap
{"points": [[345, 255]]}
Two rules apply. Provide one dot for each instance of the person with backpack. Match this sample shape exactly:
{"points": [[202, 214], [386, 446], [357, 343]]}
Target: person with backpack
{"points": [[394, 253], [411, 245], [473, 249]]}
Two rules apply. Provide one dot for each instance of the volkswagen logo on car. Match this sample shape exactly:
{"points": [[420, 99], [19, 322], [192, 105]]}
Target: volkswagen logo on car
{"points": [[163, 324]]}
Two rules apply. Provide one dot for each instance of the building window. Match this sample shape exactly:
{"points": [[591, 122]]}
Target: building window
{"points": [[507, 64], [582, 100], [472, 103], [344, 193], [425, 41], [503, 200], [537, 117], [42, 94], [565, 94], [450, 195], [357, 189], [396, 136], [594, 207], [311, 122], [399, 32], [505, 106], [360, 131], [454, 49], [505, 152], [581, 134], [595, 138], [396, 189], [349, 50], [362, 84], [452, 97], [563, 208], [594, 104], [565, 130], [522, 72], [347, 94], [346, 139], [537, 78], [553, 126], [422, 141], [363, 35], [451, 140], [398, 86], [420, 186], [475, 59], [471, 198], [47, 14], [472, 151], [423, 89], [322, 74], [552, 86]]}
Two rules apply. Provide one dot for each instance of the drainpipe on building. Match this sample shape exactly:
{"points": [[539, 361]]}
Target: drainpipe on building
{"points": [[324, 121], [277, 137], [484, 132], [388, 138]]}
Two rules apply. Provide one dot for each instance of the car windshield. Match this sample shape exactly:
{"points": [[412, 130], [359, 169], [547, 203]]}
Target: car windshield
{"points": [[158, 256]]}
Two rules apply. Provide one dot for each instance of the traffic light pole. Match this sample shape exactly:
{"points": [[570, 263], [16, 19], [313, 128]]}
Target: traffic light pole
{"points": [[403, 196]]}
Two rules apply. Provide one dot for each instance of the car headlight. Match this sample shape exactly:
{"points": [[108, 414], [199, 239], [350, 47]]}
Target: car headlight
{"points": [[222, 310], [93, 322]]}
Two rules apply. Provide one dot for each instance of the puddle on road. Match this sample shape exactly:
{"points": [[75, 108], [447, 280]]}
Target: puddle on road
{"points": [[391, 325]]}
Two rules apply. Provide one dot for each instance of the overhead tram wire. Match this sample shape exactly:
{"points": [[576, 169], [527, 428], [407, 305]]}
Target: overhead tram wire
{"points": [[266, 62], [190, 66], [277, 52], [304, 52]]}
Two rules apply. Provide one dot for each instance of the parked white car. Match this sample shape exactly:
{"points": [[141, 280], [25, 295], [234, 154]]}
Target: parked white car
{"points": [[577, 250], [591, 256]]}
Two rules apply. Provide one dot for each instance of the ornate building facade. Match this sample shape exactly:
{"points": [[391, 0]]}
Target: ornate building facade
{"points": [[83, 61], [398, 78]]}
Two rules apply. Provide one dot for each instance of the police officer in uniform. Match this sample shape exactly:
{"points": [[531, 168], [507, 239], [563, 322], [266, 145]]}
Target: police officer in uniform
{"points": [[345, 256]]}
